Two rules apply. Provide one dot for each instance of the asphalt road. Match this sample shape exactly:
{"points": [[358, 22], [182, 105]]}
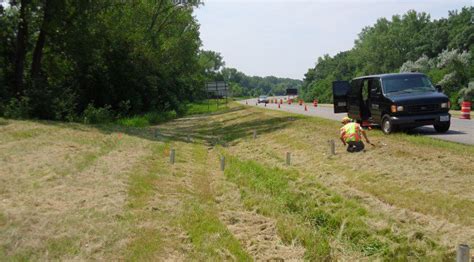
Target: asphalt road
{"points": [[461, 131]]}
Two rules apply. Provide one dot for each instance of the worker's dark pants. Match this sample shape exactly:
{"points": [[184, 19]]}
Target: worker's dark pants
{"points": [[355, 146]]}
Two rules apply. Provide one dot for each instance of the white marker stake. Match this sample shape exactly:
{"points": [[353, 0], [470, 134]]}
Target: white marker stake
{"points": [[222, 163], [463, 253], [172, 155]]}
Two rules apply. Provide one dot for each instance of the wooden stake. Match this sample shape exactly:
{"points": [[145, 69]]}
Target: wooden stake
{"points": [[254, 134], [288, 158]]}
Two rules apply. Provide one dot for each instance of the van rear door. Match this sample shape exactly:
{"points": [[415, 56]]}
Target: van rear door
{"points": [[340, 90]]}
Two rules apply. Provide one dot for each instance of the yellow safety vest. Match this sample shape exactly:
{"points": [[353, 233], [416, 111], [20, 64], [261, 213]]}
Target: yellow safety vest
{"points": [[351, 132]]}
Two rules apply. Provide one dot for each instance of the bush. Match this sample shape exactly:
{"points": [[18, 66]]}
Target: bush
{"points": [[100, 115], [467, 93], [147, 119], [18, 108], [64, 106], [124, 108]]}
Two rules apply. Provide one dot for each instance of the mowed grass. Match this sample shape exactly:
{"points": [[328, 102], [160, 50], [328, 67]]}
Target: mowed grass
{"points": [[322, 219], [91, 194], [184, 219], [76, 192]]}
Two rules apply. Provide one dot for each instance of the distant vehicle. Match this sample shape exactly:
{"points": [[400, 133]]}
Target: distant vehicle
{"points": [[263, 99], [404, 100]]}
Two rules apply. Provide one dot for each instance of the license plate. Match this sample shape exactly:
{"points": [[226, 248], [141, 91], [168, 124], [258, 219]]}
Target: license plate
{"points": [[341, 104], [444, 118]]}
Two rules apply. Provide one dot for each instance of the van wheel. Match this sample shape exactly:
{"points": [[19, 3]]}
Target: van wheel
{"points": [[442, 127], [387, 126]]}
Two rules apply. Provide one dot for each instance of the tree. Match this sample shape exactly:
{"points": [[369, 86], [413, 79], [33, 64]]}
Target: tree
{"points": [[142, 54], [410, 42], [21, 45], [255, 85]]}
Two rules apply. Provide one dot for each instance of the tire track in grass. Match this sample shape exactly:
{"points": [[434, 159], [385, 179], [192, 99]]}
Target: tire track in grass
{"points": [[172, 213], [257, 233]]}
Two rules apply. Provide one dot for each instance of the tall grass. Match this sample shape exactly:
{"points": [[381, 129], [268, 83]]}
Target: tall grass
{"points": [[151, 118], [203, 107]]}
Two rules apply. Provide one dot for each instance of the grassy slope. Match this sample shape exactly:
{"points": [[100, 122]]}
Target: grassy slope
{"points": [[75, 192]]}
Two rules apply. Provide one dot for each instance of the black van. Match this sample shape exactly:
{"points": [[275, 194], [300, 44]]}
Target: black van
{"points": [[404, 100]]}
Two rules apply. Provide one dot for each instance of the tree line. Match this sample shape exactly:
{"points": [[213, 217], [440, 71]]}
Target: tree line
{"points": [[59, 58], [243, 85], [443, 49]]}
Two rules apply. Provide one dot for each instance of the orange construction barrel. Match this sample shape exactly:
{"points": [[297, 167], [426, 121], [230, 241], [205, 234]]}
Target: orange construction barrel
{"points": [[466, 110]]}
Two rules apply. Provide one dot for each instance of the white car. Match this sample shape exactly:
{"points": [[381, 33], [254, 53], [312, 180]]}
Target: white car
{"points": [[263, 99]]}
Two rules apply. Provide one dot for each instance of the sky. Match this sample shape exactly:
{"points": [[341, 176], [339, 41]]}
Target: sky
{"points": [[285, 37]]}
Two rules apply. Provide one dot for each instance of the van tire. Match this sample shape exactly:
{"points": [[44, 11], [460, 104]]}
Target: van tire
{"points": [[387, 125], [442, 127]]}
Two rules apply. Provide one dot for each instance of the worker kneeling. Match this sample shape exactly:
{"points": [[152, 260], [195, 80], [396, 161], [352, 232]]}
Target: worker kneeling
{"points": [[351, 135]]}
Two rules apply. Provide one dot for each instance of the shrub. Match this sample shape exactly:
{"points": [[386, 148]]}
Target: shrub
{"points": [[124, 108], [467, 93], [64, 106], [100, 115], [151, 118], [17, 108]]}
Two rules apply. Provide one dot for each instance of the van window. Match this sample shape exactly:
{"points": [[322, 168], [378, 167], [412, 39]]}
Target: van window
{"points": [[407, 84], [374, 85], [365, 90]]}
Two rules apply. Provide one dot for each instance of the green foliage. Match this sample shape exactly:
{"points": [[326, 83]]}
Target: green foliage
{"points": [[213, 105], [131, 57], [211, 62], [17, 108], [154, 118], [385, 46], [467, 93], [151, 118], [450, 69], [100, 115]]}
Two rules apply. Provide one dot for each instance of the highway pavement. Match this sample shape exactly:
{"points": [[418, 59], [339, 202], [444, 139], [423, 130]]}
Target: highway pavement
{"points": [[461, 131]]}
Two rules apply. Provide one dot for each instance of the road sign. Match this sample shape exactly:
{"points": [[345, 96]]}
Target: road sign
{"points": [[291, 91], [218, 89]]}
